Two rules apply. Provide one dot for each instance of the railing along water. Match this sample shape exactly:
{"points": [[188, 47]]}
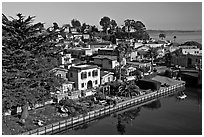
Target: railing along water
{"points": [[92, 115]]}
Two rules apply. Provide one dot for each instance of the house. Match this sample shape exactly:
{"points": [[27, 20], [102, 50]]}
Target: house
{"points": [[106, 77], [95, 46], [144, 67], [128, 72], [192, 51], [108, 51], [160, 52], [67, 89], [60, 72], [186, 60], [133, 55], [78, 52], [84, 76], [86, 36], [67, 59], [73, 30], [106, 62]]}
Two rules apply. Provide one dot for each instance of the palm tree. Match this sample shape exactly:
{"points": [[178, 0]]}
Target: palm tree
{"points": [[174, 39], [162, 36], [128, 89], [152, 52], [121, 49], [129, 24]]}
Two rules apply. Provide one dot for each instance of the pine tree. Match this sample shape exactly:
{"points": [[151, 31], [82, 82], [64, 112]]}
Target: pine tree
{"points": [[28, 55]]}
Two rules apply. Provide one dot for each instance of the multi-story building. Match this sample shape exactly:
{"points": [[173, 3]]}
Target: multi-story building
{"points": [[84, 76]]}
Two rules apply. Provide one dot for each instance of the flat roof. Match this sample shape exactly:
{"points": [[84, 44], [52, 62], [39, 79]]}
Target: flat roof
{"points": [[105, 57], [84, 67]]}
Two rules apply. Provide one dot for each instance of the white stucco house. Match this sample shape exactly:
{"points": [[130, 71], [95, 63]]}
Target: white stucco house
{"points": [[84, 76]]}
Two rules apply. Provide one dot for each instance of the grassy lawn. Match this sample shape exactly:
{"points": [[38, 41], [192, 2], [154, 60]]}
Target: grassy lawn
{"points": [[49, 114]]}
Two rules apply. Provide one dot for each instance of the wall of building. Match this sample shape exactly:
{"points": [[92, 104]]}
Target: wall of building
{"points": [[133, 55], [66, 87], [78, 80], [91, 78], [73, 76], [66, 59], [98, 61], [183, 60], [107, 64]]}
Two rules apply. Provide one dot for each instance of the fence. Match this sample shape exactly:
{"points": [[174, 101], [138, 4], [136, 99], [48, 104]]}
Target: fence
{"points": [[92, 115]]}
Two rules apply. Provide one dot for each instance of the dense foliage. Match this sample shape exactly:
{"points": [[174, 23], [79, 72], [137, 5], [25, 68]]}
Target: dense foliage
{"points": [[28, 55]]}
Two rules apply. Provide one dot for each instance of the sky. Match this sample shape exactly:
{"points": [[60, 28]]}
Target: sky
{"points": [[155, 15]]}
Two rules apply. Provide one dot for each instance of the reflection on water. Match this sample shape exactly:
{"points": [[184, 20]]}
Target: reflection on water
{"points": [[153, 105], [126, 118], [165, 116]]}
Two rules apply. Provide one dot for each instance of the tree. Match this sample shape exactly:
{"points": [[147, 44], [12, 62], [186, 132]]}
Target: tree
{"points": [[174, 39], [76, 23], [105, 23], [55, 26], [162, 36], [121, 49], [128, 89], [27, 57], [168, 57], [129, 24], [138, 25], [113, 25], [152, 52], [83, 27]]}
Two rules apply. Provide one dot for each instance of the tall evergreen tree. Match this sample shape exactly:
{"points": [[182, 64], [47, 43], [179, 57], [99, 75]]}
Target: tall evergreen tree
{"points": [[28, 55]]}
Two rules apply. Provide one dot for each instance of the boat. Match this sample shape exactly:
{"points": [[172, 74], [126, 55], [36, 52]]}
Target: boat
{"points": [[182, 96]]}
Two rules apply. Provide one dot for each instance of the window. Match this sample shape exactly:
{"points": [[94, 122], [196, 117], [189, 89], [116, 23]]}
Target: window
{"points": [[96, 73], [66, 67], [67, 76], [71, 75], [82, 85], [93, 73], [74, 85], [66, 59], [85, 75], [89, 74], [96, 82], [82, 75]]}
